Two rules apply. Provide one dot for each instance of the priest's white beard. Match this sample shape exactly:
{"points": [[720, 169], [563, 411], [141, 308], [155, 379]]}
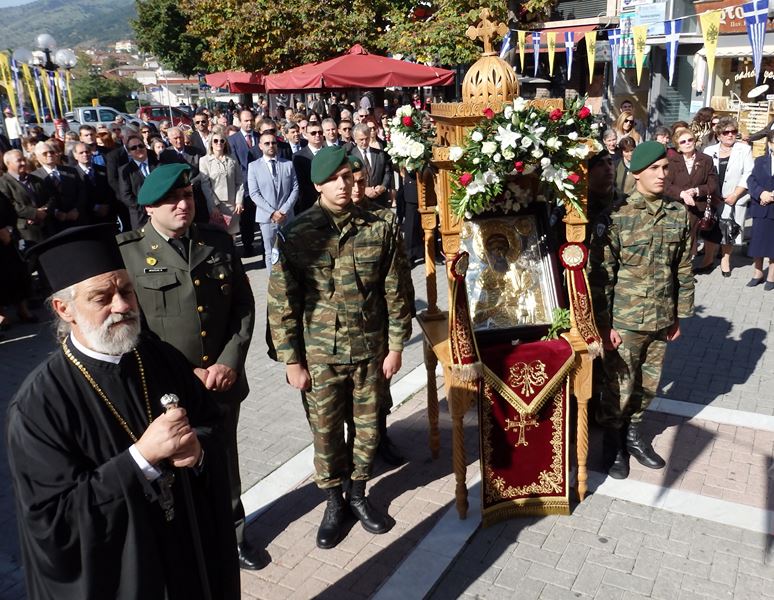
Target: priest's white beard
{"points": [[109, 338]]}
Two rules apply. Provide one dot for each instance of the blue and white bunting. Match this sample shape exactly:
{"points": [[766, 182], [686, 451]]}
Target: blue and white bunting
{"points": [[569, 46], [536, 49], [755, 18], [614, 37], [672, 31], [506, 45]]}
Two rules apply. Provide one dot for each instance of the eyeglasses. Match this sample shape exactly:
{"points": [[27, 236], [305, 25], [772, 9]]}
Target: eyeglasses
{"points": [[346, 129], [218, 141], [199, 122], [628, 120], [687, 141], [269, 144], [729, 132], [144, 131], [48, 153], [134, 147], [318, 132]]}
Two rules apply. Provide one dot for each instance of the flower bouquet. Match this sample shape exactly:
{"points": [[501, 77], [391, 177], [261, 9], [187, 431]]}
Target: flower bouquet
{"points": [[411, 139], [522, 139]]}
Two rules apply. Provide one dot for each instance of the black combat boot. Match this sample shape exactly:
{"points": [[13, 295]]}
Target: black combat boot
{"points": [[371, 519], [332, 525], [387, 451], [616, 457], [642, 450]]}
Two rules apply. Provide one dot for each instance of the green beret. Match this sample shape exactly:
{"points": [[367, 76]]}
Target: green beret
{"points": [[326, 162], [645, 155], [355, 163], [162, 180]]}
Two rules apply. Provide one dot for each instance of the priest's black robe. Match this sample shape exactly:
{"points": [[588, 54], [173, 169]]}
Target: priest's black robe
{"points": [[90, 524]]}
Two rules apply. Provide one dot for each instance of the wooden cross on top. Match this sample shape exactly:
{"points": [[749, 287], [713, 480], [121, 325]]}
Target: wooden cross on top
{"points": [[486, 30]]}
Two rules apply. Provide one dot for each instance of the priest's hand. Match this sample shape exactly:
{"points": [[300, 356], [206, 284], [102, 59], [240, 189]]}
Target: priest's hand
{"points": [[167, 436], [220, 378], [392, 363], [190, 451]]}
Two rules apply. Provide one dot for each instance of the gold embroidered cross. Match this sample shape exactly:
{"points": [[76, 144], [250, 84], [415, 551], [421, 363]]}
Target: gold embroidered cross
{"points": [[521, 424], [486, 30]]}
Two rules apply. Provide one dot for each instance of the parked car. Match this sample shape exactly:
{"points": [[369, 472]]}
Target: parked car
{"points": [[160, 112], [98, 115]]}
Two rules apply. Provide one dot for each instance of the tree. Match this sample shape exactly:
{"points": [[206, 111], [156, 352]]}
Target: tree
{"points": [[87, 83], [162, 30]]}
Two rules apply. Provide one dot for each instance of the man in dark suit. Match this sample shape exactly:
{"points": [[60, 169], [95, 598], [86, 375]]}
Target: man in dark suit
{"points": [[179, 152], [293, 137], [330, 133], [244, 148], [377, 164], [131, 177], [61, 188], [117, 158], [25, 192], [302, 163], [200, 138], [100, 201]]}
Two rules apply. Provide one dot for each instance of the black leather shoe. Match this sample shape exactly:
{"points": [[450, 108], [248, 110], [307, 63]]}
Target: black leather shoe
{"points": [[725, 273], [252, 559], [754, 282], [768, 286], [642, 450], [331, 528], [372, 520], [387, 451], [614, 452], [620, 467]]}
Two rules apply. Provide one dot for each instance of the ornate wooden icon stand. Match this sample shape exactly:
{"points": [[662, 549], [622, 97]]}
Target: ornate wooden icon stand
{"points": [[489, 83]]}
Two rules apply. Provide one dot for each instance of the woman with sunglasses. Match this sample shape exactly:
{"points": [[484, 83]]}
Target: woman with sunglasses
{"points": [[691, 179], [734, 162], [761, 186], [624, 127], [222, 183]]}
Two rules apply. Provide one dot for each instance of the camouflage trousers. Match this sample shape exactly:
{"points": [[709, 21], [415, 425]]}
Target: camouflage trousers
{"points": [[631, 375], [337, 392]]}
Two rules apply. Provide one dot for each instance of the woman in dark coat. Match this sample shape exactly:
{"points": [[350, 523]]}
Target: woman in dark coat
{"points": [[761, 187], [691, 179]]}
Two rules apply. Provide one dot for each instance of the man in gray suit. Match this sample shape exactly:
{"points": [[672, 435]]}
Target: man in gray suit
{"points": [[272, 185], [377, 164]]}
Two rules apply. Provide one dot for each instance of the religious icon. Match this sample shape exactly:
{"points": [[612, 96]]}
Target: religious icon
{"points": [[510, 280]]}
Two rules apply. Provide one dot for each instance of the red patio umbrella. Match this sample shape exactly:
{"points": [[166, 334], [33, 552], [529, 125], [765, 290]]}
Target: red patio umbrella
{"points": [[358, 69], [237, 82]]}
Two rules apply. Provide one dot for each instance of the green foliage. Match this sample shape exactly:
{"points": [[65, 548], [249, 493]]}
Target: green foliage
{"points": [[560, 323], [162, 30], [88, 83], [72, 23]]}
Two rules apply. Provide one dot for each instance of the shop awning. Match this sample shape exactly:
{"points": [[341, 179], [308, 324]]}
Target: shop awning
{"points": [[237, 82], [735, 46]]}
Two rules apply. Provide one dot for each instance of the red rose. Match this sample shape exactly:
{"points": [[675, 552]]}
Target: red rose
{"points": [[407, 121], [465, 179], [574, 178], [584, 113], [519, 166], [556, 114], [489, 113]]}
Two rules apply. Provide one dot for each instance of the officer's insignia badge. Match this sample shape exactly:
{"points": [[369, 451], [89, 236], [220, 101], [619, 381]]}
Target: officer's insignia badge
{"points": [[601, 229], [151, 260], [154, 246], [274, 256], [356, 164]]}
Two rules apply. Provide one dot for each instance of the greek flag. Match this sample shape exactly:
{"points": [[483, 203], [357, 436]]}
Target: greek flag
{"points": [[755, 17], [672, 35], [569, 46], [506, 44], [536, 49], [38, 85], [17, 85], [614, 37]]}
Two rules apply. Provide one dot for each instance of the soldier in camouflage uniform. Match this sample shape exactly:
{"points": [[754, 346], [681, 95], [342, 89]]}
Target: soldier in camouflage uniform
{"points": [[642, 285], [334, 285]]}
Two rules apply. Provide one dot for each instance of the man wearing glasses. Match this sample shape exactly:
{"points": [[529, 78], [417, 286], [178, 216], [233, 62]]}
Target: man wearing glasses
{"points": [[273, 187], [200, 139], [302, 163], [62, 192], [345, 134], [131, 177]]}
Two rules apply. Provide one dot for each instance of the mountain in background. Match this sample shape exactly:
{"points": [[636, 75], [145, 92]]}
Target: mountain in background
{"points": [[81, 23]]}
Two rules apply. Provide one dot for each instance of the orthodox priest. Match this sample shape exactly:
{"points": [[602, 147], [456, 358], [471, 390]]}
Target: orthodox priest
{"points": [[115, 497]]}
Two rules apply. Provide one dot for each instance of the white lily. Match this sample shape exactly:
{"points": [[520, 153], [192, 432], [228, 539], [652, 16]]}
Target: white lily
{"points": [[508, 112], [507, 137], [519, 104], [455, 153], [573, 135], [553, 143], [489, 148]]}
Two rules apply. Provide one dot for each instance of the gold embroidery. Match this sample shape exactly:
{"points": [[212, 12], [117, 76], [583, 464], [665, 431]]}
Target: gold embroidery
{"points": [[521, 424], [527, 376]]}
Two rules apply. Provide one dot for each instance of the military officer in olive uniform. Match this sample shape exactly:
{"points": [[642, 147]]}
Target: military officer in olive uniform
{"points": [[194, 294], [334, 285], [642, 285]]}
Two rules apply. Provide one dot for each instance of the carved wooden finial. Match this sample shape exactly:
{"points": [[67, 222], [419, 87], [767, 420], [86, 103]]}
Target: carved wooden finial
{"points": [[486, 30]]}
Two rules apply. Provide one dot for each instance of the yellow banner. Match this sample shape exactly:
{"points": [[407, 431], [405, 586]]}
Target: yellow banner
{"points": [[6, 77], [522, 41], [640, 33], [44, 82], [69, 91], [58, 93], [30, 81], [591, 44], [551, 41], [710, 27]]}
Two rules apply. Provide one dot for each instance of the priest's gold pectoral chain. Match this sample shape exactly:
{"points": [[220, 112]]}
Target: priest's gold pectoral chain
{"points": [[103, 396]]}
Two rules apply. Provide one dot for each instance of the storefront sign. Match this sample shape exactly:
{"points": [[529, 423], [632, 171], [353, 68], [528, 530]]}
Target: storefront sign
{"points": [[732, 17], [750, 74]]}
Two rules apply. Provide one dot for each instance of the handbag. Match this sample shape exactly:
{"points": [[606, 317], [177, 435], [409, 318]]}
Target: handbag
{"points": [[709, 220]]}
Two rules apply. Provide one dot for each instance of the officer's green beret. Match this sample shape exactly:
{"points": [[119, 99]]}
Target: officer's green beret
{"points": [[355, 163], [645, 155], [162, 180], [326, 162]]}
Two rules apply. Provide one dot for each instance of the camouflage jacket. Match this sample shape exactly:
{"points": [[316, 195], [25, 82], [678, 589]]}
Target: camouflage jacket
{"points": [[640, 266], [331, 292]]}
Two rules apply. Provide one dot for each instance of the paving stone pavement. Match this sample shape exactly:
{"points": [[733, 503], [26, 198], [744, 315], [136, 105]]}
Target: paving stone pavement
{"points": [[721, 360]]}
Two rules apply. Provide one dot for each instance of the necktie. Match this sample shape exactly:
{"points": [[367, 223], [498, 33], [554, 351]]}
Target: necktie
{"points": [[181, 246], [56, 177], [273, 164], [249, 140], [26, 183], [144, 169]]}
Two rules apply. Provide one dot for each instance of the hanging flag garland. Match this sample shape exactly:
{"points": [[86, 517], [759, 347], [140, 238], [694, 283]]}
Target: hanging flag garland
{"points": [[536, 49], [672, 31], [551, 41], [569, 46], [755, 18], [522, 43], [614, 37], [640, 33], [591, 47], [710, 27]]}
